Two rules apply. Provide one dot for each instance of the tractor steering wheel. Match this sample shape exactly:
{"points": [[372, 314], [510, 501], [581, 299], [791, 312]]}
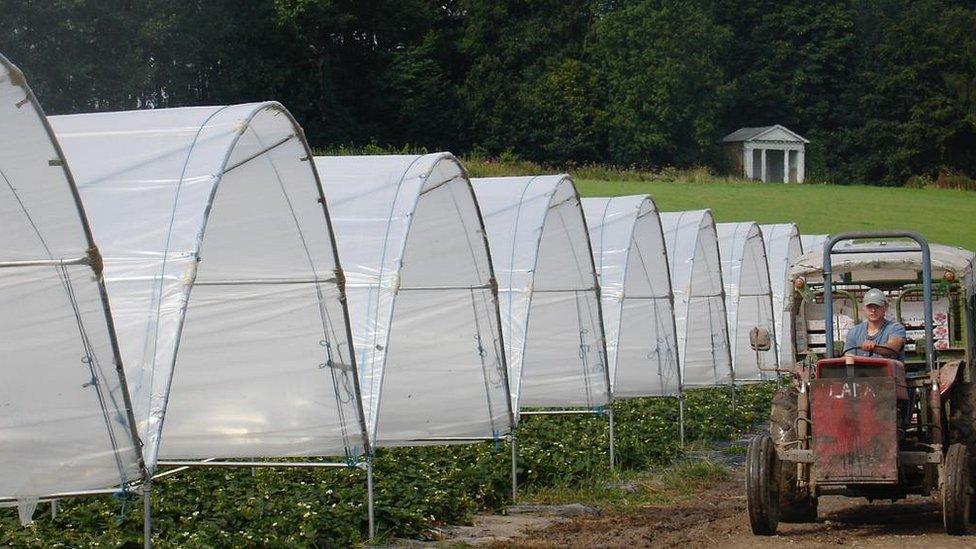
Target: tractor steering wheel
{"points": [[876, 346], [894, 352]]}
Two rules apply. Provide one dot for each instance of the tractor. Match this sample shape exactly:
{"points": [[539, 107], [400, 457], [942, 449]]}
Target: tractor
{"points": [[872, 426]]}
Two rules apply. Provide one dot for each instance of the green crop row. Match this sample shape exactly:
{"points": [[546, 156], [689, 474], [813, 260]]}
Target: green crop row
{"points": [[416, 488]]}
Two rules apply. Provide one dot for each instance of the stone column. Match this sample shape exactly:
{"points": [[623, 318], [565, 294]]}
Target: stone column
{"points": [[763, 168], [747, 162], [786, 165], [800, 165]]}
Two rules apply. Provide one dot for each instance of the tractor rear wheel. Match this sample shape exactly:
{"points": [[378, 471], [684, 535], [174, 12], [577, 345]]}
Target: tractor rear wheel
{"points": [[795, 505], [762, 486], [962, 427], [782, 416], [956, 497]]}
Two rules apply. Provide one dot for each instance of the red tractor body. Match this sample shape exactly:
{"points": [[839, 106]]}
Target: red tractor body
{"points": [[854, 406]]}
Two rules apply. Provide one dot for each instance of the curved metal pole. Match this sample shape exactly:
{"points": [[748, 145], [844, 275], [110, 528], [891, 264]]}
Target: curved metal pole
{"points": [[681, 417], [923, 247], [514, 468], [370, 502], [147, 515]]}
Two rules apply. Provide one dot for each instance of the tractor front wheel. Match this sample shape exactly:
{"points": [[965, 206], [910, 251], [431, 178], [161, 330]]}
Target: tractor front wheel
{"points": [[762, 486], [956, 497]]}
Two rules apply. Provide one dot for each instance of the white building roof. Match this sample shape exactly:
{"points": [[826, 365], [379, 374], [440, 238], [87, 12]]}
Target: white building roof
{"points": [[764, 133]]}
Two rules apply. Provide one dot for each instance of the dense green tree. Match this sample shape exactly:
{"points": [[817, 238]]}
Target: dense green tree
{"points": [[658, 62], [527, 88], [885, 89], [82, 55], [913, 92]]}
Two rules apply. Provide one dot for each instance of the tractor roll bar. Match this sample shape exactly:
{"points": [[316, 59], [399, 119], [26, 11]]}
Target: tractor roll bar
{"points": [[923, 247]]}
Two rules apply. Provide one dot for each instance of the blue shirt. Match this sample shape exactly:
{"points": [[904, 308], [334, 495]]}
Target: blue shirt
{"points": [[859, 334]]}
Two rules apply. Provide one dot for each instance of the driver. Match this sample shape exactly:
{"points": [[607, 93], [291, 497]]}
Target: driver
{"points": [[877, 335]]}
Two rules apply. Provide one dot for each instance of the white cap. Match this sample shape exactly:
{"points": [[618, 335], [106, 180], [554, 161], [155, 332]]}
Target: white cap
{"points": [[875, 296]]}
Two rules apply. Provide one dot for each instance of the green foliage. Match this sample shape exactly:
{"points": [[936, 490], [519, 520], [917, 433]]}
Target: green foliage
{"points": [[885, 89], [416, 488], [663, 85]]}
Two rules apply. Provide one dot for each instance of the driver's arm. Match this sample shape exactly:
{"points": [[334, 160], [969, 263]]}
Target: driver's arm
{"points": [[850, 342], [894, 345], [895, 342]]}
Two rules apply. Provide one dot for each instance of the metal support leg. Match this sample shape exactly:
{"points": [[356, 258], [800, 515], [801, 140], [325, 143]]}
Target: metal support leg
{"points": [[610, 416], [514, 469], [681, 419], [54, 509], [370, 509], [732, 388], [147, 515]]}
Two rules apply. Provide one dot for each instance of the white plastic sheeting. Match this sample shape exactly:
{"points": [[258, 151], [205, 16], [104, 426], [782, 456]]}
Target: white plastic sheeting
{"points": [[223, 201], [811, 242], [544, 265], [421, 298], [748, 298], [638, 310], [699, 298], [782, 248], [65, 420]]}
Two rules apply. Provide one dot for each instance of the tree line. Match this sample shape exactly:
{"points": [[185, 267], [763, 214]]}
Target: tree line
{"points": [[884, 89]]}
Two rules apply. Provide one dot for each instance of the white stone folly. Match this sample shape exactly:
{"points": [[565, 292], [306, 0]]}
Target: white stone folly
{"points": [[771, 154]]}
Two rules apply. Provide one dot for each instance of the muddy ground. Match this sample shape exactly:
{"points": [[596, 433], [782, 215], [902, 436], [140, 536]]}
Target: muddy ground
{"points": [[716, 517]]}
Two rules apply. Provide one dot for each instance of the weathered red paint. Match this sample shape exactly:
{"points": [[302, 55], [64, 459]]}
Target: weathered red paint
{"points": [[855, 431], [835, 368]]}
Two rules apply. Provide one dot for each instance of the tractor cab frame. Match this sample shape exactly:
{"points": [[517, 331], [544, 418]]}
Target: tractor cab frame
{"points": [[873, 427]]}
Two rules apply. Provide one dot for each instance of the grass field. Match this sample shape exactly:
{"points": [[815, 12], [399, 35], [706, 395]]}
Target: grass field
{"points": [[943, 216]]}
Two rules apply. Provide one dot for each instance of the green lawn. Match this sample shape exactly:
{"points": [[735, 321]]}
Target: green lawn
{"points": [[943, 216]]}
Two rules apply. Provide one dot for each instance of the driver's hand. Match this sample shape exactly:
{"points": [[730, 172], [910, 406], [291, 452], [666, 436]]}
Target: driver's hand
{"points": [[868, 346]]}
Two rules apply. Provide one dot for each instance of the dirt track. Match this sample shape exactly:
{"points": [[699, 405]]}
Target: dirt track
{"points": [[717, 517]]}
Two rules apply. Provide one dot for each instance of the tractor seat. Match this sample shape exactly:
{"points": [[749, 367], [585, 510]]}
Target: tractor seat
{"points": [[862, 367]]}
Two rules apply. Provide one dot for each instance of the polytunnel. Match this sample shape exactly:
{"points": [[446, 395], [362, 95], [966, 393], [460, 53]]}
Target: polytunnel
{"points": [[748, 298], [67, 424], [223, 278], [782, 248], [699, 298], [811, 242], [422, 299], [638, 310], [544, 265]]}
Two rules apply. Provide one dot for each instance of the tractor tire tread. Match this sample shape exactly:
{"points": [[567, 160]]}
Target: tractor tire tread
{"points": [[956, 490], [761, 497]]}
